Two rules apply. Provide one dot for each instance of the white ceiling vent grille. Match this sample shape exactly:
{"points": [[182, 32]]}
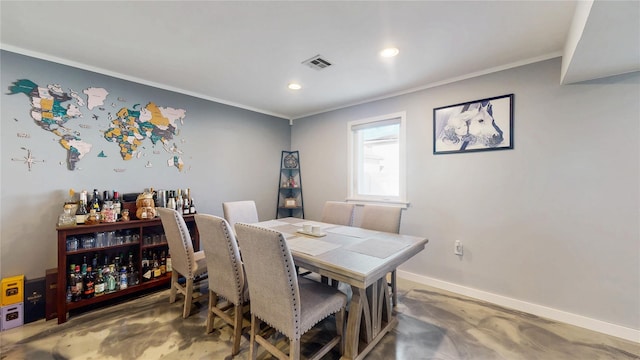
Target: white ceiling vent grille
{"points": [[317, 63]]}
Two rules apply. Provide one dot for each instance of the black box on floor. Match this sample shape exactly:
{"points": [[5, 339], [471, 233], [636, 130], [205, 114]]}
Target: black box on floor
{"points": [[34, 300]]}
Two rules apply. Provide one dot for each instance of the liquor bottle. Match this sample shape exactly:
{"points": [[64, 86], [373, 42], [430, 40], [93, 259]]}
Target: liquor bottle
{"points": [[171, 202], [156, 267], [179, 201], [111, 279], [123, 278], [117, 205], [95, 201], [132, 272], [168, 261], [99, 286], [78, 280], [186, 206], [88, 284], [72, 290], [163, 263], [81, 213], [192, 207], [83, 267], [146, 270]]}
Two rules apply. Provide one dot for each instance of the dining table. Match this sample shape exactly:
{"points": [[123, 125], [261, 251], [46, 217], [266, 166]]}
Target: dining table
{"points": [[358, 257]]}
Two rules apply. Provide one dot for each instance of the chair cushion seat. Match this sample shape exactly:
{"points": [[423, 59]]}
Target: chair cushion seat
{"points": [[317, 302]]}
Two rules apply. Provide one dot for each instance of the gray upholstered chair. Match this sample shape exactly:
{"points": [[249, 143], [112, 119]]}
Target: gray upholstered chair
{"points": [[337, 212], [240, 211], [226, 274], [387, 219], [184, 260], [290, 304]]}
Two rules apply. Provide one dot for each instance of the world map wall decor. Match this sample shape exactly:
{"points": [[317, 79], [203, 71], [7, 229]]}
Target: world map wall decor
{"points": [[55, 111]]}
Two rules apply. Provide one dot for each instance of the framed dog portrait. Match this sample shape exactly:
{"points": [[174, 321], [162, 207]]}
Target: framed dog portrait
{"points": [[478, 125]]}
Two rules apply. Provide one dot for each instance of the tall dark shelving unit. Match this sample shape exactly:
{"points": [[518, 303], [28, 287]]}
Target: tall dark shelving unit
{"points": [[290, 203]]}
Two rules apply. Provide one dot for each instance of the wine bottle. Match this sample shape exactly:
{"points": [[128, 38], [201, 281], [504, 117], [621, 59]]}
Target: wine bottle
{"points": [[95, 201], [186, 207], [81, 212], [117, 205], [192, 207]]}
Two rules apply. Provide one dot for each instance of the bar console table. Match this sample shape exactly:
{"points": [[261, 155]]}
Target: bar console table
{"points": [[148, 234]]}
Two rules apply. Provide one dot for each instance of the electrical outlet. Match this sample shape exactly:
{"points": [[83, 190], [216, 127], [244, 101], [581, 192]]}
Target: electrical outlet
{"points": [[457, 249]]}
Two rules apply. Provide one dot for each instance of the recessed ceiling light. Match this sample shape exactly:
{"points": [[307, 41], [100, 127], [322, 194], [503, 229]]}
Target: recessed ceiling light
{"points": [[389, 52], [294, 86]]}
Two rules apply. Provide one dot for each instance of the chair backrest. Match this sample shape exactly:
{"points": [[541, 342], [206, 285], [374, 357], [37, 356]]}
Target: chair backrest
{"points": [[381, 218], [240, 211], [179, 240], [224, 266], [271, 274], [338, 212]]}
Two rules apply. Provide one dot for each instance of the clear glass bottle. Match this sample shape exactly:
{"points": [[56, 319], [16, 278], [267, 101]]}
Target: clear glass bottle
{"points": [[66, 218], [123, 278]]}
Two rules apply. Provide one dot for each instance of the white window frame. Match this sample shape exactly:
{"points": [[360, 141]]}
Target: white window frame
{"points": [[353, 196]]}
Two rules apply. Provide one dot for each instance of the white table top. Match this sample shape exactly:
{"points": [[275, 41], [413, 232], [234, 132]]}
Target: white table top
{"points": [[352, 255]]}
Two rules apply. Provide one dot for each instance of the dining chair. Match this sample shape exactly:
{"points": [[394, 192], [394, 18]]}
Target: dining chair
{"points": [[289, 304], [387, 219], [184, 261], [338, 212], [226, 274], [240, 211]]}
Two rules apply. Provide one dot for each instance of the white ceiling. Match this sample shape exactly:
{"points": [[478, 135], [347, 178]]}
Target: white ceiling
{"points": [[245, 53]]}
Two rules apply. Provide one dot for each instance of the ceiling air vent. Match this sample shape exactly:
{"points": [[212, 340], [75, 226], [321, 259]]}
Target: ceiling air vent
{"points": [[317, 63]]}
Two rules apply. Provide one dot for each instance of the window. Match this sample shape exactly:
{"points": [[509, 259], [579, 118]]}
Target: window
{"points": [[377, 159]]}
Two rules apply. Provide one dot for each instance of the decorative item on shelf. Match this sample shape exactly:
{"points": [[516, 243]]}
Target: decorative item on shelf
{"points": [[290, 161], [145, 206], [290, 202], [93, 217], [125, 215], [292, 182]]}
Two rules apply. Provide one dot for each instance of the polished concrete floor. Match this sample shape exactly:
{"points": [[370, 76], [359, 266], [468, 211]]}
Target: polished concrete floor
{"points": [[433, 324]]}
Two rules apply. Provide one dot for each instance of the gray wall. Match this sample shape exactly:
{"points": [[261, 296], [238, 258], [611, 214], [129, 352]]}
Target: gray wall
{"points": [[553, 222], [230, 154]]}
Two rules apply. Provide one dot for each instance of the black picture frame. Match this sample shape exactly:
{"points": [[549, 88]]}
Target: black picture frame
{"points": [[478, 125]]}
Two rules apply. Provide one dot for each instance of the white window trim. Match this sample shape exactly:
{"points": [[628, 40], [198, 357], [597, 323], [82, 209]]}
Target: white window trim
{"points": [[401, 200]]}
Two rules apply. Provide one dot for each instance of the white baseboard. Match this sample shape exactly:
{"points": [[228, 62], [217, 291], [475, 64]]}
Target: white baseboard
{"points": [[535, 309]]}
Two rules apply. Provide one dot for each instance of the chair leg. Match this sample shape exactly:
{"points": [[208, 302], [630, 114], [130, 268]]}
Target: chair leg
{"points": [[213, 302], [174, 283], [294, 349], [237, 328], [340, 315], [255, 323], [188, 298]]}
